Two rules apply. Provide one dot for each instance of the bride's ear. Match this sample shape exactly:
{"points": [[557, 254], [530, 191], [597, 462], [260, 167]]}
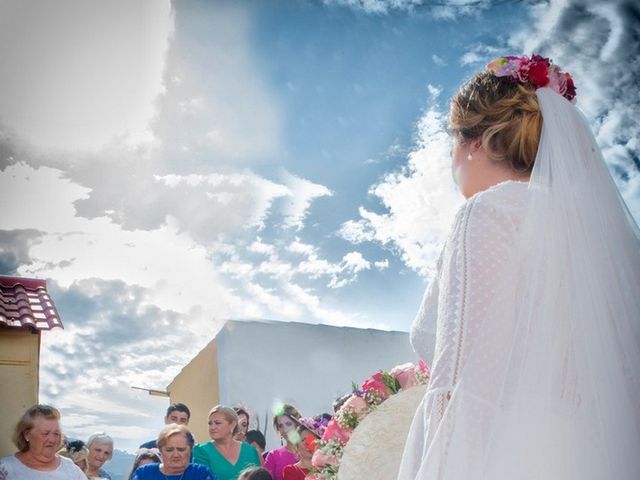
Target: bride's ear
{"points": [[476, 144]]}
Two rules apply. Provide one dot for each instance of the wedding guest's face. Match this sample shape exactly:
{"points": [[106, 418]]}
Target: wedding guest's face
{"points": [[220, 427], [181, 418], [99, 453], [176, 453], [285, 425], [243, 426], [44, 438], [307, 445]]}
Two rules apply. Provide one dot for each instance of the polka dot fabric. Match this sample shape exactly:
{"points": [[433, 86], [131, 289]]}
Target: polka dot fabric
{"points": [[458, 304]]}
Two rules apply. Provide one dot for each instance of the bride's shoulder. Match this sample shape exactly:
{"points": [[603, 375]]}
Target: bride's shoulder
{"points": [[500, 205], [508, 198]]}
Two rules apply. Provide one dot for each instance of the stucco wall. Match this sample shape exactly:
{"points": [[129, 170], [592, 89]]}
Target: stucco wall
{"points": [[265, 363], [197, 387], [19, 350]]}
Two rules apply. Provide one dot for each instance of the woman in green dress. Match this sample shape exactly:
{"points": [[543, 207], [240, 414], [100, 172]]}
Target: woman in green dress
{"points": [[225, 456]]}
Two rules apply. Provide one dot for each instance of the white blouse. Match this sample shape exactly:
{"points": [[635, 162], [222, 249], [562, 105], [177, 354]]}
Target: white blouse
{"points": [[13, 469]]}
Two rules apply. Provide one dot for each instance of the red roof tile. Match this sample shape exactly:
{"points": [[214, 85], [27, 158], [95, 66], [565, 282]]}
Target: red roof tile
{"points": [[25, 302]]}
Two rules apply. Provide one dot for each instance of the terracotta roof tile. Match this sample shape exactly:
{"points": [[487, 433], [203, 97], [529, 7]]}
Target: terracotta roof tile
{"points": [[25, 302]]}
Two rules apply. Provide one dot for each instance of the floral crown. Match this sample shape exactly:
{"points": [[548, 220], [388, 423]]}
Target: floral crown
{"points": [[536, 71]]}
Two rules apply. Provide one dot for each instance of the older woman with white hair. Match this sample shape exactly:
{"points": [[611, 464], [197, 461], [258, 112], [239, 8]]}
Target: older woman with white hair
{"points": [[100, 447]]}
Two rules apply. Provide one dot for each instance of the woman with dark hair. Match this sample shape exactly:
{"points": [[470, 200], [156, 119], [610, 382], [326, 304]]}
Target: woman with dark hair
{"points": [[38, 438], [306, 443], [243, 423], [536, 297], [225, 456], [284, 423]]}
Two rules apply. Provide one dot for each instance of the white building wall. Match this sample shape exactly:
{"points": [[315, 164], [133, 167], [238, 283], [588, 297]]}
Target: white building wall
{"points": [[264, 363]]}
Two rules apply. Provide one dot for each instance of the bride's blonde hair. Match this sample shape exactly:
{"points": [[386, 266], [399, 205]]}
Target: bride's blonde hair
{"points": [[504, 114]]}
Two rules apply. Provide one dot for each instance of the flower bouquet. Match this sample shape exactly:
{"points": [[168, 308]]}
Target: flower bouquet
{"points": [[363, 400]]}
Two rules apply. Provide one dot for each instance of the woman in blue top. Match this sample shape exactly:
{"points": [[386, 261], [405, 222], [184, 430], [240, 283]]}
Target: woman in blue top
{"points": [[175, 443], [225, 456]]}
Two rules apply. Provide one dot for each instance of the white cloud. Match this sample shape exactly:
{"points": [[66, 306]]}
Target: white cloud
{"points": [[220, 203], [317, 309], [302, 193], [434, 92], [69, 82], [352, 263], [421, 200], [111, 341], [258, 246], [438, 60], [597, 42], [382, 264], [73, 248], [443, 10], [217, 103], [479, 55]]}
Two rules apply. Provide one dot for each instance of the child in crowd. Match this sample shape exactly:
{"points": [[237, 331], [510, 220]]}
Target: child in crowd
{"points": [[144, 457], [255, 473], [257, 440]]}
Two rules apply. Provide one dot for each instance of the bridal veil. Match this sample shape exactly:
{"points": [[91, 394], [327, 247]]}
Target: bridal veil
{"points": [[560, 397]]}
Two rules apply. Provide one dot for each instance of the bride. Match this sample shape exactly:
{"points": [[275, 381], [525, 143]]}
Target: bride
{"points": [[536, 300]]}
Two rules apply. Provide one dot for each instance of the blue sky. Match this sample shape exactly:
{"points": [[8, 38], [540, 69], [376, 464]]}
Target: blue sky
{"points": [[252, 159]]}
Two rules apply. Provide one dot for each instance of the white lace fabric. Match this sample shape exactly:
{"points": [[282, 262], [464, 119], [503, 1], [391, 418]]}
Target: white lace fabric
{"points": [[536, 308], [457, 301]]}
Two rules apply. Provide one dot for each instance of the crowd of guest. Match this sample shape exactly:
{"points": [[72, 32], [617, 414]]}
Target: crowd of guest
{"points": [[232, 452]]}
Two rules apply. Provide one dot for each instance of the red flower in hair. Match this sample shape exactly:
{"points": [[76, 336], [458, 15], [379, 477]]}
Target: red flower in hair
{"points": [[539, 71]]}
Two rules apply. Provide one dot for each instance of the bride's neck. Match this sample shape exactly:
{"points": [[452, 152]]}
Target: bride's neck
{"points": [[492, 176]]}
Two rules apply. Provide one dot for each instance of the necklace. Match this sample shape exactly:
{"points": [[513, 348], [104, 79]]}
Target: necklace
{"points": [[167, 478]]}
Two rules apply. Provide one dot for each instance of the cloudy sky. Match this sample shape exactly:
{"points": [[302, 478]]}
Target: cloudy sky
{"points": [[169, 166]]}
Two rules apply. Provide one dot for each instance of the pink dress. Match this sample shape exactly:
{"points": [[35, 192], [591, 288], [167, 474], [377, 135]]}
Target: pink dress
{"points": [[278, 459]]}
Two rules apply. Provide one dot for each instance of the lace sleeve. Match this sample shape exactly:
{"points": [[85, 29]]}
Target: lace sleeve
{"points": [[423, 330], [474, 261], [484, 247]]}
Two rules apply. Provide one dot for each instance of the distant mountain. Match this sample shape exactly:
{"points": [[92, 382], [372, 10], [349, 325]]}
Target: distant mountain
{"points": [[120, 465]]}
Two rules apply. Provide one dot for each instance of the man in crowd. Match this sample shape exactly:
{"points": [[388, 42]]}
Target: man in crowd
{"points": [[176, 413]]}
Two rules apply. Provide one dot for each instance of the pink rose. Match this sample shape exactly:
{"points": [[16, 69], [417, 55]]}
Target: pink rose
{"points": [[356, 405], [335, 432], [423, 368], [376, 385], [321, 459], [405, 374]]}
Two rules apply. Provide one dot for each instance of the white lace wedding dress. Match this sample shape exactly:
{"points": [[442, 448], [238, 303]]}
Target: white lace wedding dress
{"points": [[536, 312]]}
